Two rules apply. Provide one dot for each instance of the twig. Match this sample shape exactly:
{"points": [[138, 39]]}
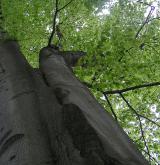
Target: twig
{"points": [[146, 20], [149, 120], [110, 105], [150, 156], [54, 24], [65, 5], [57, 10], [132, 88], [156, 18], [145, 3], [140, 124]]}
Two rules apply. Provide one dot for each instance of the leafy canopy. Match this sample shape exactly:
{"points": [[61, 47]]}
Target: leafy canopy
{"points": [[122, 51]]}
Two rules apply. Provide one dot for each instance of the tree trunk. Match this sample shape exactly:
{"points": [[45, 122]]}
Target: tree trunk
{"points": [[48, 117]]}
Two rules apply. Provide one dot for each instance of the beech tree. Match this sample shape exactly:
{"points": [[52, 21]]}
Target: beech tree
{"points": [[47, 114]]}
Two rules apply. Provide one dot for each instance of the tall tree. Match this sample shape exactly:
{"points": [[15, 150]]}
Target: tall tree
{"points": [[48, 116]]}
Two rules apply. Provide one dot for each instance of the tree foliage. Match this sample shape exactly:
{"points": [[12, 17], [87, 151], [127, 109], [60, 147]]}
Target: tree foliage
{"points": [[122, 41]]}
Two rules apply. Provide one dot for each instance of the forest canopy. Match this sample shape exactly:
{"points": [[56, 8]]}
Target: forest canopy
{"points": [[122, 65]]}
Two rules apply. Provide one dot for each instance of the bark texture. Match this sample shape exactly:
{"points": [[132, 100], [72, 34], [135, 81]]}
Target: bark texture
{"points": [[48, 117]]}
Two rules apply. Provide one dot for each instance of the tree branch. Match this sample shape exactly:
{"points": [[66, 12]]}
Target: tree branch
{"points": [[149, 120], [65, 5], [132, 88], [156, 18], [110, 105], [145, 3], [140, 124], [57, 10], [150, 156], [54, 24], [146, 20]]}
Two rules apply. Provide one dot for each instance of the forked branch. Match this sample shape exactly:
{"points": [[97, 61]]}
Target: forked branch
{"points": [[57, 10]]}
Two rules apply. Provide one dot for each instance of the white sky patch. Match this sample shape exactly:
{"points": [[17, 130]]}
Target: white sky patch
{"points": [[157, 114], [155, 12], [77, 29], [57, 20], [108, 5], [132, 122], [103, 98], [106, 8], [49, 29], [153, 108], [104, 12], [143, 121]]}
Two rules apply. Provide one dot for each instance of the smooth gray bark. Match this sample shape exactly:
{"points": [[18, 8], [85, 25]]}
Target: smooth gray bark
{"points": [[23, 138], [48, 117]]}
